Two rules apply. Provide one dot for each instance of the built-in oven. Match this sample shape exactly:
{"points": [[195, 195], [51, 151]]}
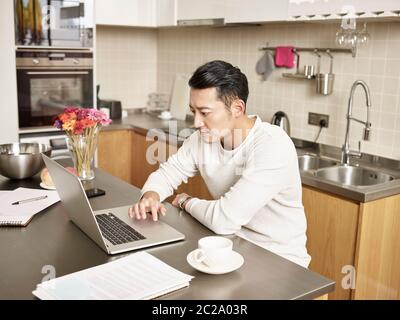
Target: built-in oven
{"points": [[54, 23], [50, 80]]}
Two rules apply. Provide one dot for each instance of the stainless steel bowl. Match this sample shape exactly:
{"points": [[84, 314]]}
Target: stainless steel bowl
{"points": [[22, 160]]}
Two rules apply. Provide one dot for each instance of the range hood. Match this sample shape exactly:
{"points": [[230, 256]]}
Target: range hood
{"points": [[218, 22], [201, 22]]}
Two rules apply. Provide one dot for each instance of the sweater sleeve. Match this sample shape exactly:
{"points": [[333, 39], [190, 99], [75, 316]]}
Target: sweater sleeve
{"points": [[264, 176], [177, 169]]}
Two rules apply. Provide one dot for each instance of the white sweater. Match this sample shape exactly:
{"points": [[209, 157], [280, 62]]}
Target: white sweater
{"points": [[256, 187]]}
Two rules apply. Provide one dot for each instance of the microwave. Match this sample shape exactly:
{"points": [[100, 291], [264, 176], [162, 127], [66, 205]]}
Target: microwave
{"points": [[54, 23]]}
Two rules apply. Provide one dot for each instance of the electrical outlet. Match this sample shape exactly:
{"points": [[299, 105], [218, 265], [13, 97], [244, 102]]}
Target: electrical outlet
{"points": [[318, 119]]}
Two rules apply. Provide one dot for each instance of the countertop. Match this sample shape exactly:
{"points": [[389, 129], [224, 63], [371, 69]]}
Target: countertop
{"points": [[50, 239], [175, 132]]}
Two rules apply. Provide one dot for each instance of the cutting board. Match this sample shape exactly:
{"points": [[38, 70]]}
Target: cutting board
{"points": [[179, 105]]}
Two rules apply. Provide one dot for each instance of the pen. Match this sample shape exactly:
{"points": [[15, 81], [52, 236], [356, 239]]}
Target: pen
{"points": [[28, 200]]}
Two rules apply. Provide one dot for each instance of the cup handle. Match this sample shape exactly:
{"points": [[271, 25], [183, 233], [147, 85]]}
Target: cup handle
{"points": [[199, 255]]}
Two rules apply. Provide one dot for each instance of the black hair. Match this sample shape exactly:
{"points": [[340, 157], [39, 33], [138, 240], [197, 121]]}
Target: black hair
{"points": [[228, 80]]}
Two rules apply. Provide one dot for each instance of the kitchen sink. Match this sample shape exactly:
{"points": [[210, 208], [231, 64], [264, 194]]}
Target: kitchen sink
{"points": [[354, 176], [311, 162]]}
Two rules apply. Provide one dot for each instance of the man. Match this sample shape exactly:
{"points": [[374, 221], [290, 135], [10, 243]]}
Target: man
{"points": [[249, 166]]}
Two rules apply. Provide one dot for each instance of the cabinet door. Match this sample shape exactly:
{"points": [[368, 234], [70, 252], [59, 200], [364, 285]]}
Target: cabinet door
{"points": [[135, 13], [166, 13], [114, 153], [238, 11], [331, 236], [206, 9]]}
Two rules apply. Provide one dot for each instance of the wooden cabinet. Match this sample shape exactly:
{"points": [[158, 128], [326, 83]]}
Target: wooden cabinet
{"points": [[134, 13], [355, 244], [378, 253], [114, 153], [332, 224]]}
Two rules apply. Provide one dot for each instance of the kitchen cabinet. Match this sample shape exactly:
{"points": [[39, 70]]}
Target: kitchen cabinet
{"points": [[355, 244], [331, 235], [335, 9], [251, 11], [206, 9], [114, 153], [133, 13], [166, 13]]}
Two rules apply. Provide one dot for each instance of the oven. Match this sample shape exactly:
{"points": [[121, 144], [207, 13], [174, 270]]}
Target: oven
{"points": [[54, 23], [50, 80]]}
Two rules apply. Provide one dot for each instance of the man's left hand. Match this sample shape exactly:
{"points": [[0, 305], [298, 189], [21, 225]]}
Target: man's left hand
{"points": [[180, 197]]}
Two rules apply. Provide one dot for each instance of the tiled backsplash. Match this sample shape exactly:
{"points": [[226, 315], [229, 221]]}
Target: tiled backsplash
{"points": [[126, 64], [132, 52]]}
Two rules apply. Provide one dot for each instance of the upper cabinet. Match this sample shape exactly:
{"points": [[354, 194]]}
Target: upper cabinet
{"points": [[334, 9], [166, 13], [134, 13], [250, 11], [198, 10]]}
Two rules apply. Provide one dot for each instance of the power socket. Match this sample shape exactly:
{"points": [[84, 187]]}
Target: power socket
{"points": [[318, 119]]}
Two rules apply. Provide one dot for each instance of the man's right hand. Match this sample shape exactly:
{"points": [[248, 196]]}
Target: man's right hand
{"points": [[149, 203]]}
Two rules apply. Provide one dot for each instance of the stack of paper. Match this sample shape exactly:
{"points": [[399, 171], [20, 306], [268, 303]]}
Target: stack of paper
{"points": [[27, 202], [139, 276]]}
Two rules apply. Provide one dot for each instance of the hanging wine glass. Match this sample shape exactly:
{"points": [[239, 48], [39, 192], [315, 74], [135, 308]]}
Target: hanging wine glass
{"points": [[363, 36]]}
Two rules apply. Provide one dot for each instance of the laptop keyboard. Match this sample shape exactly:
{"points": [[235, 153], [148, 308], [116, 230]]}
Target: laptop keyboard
{"points": [[115, 230]]}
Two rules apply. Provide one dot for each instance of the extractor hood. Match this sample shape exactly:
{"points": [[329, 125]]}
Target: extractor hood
{"points": [[201, 22]]}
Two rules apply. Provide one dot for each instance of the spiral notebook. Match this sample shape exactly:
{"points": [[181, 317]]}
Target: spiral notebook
{"points": [[30, 202]]}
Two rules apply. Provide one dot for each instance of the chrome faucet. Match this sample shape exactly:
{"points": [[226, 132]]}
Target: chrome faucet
{"points": [[346, 152]]}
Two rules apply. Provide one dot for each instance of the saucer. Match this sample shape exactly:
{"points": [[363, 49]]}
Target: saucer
{"points": [[44, 186], [234, 262]]}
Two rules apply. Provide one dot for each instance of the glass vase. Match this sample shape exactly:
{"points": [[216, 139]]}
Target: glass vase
{"points": [[83, 148]]}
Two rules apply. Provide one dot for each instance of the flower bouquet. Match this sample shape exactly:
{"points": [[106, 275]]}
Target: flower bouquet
{"points": [[82, 127]]}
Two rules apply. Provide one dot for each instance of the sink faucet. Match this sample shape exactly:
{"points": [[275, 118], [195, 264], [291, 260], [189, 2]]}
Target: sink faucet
{"points": [[346, 152]]}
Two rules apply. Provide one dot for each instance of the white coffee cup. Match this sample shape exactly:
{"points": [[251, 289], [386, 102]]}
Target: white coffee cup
{"points": [[213, 251]]}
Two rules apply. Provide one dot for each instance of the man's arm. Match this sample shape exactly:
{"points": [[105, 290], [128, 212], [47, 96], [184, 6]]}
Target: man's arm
{"points": [[177, 169]]}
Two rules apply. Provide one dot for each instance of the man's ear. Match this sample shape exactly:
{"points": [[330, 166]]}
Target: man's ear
{"points": [[238, 108]]}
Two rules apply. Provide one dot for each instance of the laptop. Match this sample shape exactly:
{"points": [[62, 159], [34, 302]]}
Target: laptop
{"points": [[112, 229]]}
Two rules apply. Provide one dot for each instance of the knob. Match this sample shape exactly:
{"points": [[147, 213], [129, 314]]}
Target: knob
{"points": [[35, 61], [75, 61]]}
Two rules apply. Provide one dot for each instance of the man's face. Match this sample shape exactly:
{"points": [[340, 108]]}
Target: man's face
{"points": [[211, 116]]}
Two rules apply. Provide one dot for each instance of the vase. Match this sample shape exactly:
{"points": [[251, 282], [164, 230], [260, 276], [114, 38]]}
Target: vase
{"points": [[82, 148]]}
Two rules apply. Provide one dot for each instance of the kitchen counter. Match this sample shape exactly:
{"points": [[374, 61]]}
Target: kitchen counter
{"points": [[51, 239], [175, 132]]}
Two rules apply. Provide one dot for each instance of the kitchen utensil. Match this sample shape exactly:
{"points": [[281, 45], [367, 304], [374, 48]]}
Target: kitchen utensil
{"points": [[325, 81], [179, 105], [309, 70], [282, 120], [22, 160]]}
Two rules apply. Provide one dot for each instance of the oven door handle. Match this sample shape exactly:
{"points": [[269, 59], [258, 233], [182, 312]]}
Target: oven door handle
{"points": [[48, 73]]}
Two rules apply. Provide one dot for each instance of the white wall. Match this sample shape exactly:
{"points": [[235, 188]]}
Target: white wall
{"points": [[8, 81]]}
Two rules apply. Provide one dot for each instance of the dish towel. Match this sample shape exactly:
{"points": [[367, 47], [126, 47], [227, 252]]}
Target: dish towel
{"points": [[284, 57], [266, 65]]}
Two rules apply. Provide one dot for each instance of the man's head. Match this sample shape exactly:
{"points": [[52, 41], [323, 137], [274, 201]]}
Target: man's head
{"points": [[218, 97]]}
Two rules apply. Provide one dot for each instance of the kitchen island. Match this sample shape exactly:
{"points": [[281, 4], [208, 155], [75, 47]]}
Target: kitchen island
{"points": [[51, 240]]}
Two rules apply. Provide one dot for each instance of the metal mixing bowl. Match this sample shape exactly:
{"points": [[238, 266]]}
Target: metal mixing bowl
{"points": [[22, 160]]}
